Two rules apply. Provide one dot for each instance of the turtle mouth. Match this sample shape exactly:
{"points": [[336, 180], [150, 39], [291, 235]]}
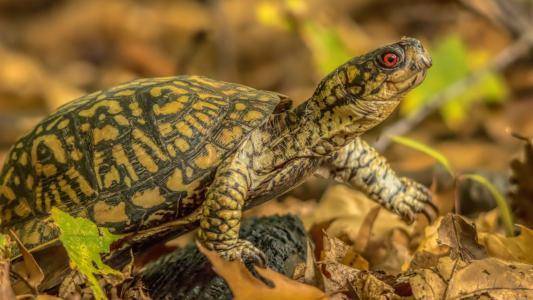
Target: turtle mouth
{"points": [[411, 82]]}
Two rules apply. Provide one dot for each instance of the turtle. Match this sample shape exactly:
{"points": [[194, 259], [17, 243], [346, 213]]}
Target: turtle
{"points": [[155, 157]]}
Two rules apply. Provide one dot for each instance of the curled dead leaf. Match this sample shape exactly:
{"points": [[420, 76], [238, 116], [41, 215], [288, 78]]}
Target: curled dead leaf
{"points": [[245, 286], [461, 237]]}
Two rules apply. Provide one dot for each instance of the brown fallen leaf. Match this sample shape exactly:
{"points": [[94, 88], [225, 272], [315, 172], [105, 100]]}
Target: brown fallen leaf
{"points": [[30, 270], [490, 277], [367, 286], [363, 236], [518, 248], [245, 286], [461, 237]]}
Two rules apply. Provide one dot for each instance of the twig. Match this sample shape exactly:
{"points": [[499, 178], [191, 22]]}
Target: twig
{"points": [[509, 55]]}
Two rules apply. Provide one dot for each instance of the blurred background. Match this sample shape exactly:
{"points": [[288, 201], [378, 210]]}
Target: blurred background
{"points": [[478, 92]]}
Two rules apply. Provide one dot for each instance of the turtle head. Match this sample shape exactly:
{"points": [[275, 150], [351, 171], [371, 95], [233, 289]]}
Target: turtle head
{"points": [[367, 88], [384, 74], [387, 73]]}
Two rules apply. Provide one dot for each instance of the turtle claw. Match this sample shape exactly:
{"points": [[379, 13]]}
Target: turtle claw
{"points": [[415, 198], [246, 252]]}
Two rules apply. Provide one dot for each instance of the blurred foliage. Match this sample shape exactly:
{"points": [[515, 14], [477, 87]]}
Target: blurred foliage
{"points": [[84, 243], [324, 42], [426, 150], [453, 61]]}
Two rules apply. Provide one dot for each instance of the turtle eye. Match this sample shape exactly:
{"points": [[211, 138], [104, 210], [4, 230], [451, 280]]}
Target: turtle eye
{"points": [[389, 59]]}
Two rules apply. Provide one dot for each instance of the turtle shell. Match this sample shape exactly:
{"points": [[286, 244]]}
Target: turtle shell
{"points": [[130, 157]]}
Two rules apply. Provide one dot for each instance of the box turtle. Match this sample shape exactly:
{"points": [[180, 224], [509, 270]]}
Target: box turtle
{"points": [[155, 157]]}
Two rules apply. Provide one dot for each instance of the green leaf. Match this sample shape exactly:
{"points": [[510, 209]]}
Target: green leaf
{"points": [[424, 149], [326, 45], [84, 243], [505, 212], [452, 62]]}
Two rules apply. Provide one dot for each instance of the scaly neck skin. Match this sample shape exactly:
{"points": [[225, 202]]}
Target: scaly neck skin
{"points": [[332, 118]]}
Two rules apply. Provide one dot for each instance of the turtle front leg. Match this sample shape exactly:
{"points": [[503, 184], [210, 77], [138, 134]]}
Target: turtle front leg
{"points": [[221, 216], [362, 167]]}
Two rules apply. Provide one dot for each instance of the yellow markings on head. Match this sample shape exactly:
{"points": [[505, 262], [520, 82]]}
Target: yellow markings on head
{"points": [[195, 124], [16, 180], [54, 145], [125, 93], [22, 209], [240, 106], [29, 182], [184, 129], [352, 72], [101, 117], [105, 213], [182, 144], [67, 189], [144, 158], [112, 107], [200, 105], [207, 158], [107, 133], [143, 138], [148, 198], [121, 120], [234, 116], [122, 159], [19, 145], [228, 136], [170, 108], [253, 115], [111, 177], [39, 129], [135, 109]]}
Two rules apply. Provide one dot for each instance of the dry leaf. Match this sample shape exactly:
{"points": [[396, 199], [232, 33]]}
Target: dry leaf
{"points": [[518, 248], [490, 277], [6, 292], [31, 271], [363, 236], [245, 286], [367, 286], [461, 237]]}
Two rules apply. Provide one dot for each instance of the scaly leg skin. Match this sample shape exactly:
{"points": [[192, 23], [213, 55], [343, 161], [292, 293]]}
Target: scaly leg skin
{"points": [[221, 216], [360, 166]]}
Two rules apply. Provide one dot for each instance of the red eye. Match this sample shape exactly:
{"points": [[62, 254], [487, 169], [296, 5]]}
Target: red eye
{"points": [[389, 60]]}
